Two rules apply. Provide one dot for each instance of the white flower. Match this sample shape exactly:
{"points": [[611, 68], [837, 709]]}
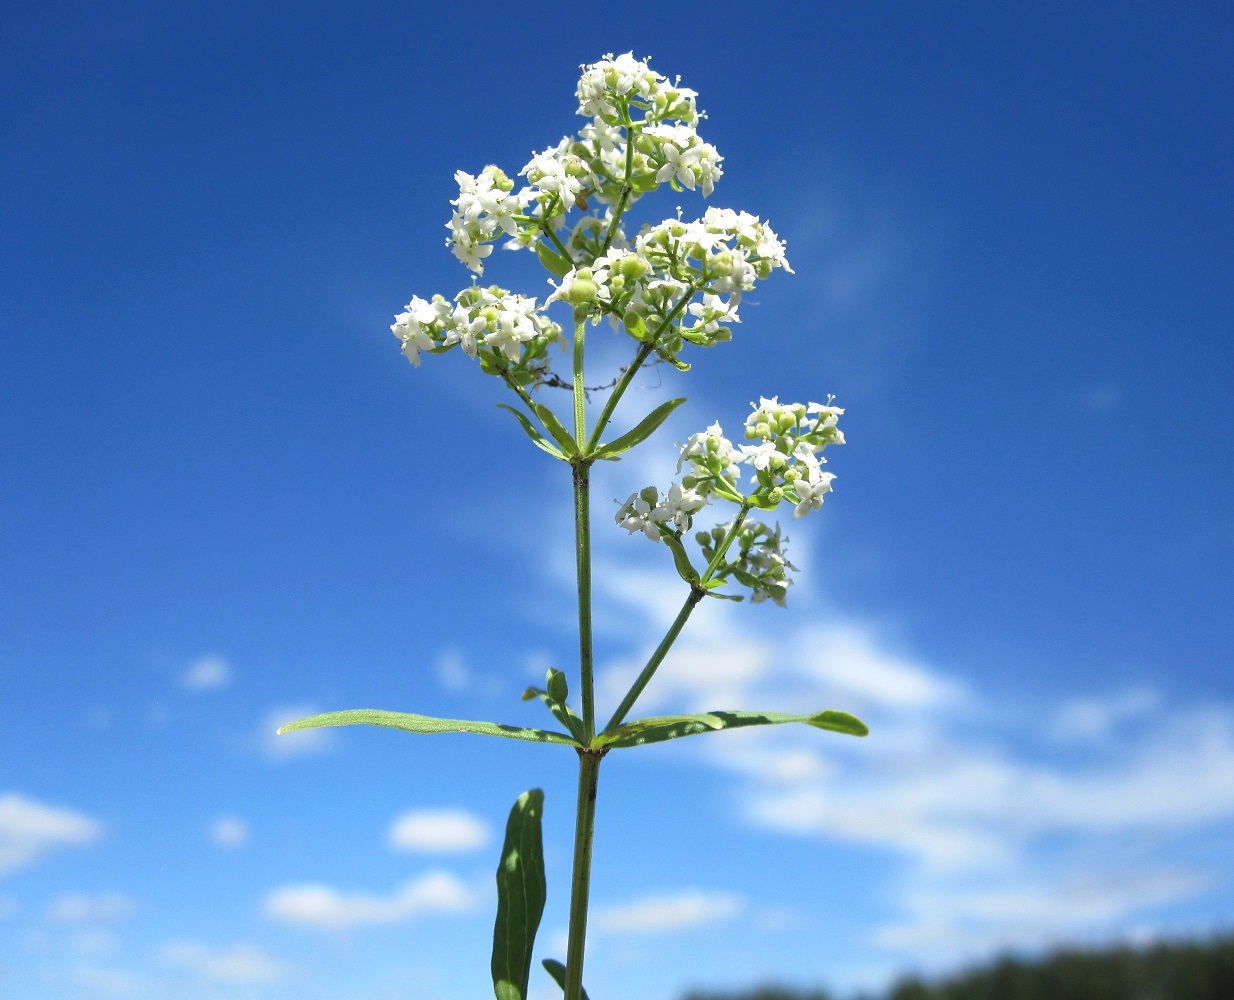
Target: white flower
{"points": [[811, 488], [636, 515]]}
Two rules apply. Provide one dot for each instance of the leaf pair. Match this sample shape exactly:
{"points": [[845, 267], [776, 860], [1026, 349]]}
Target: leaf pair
{"points": [[566, 448]]}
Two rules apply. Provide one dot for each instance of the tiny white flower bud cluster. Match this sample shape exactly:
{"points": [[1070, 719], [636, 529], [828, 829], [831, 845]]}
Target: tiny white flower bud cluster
{"points": [[761, 560], [653, 513], [503, 329]]}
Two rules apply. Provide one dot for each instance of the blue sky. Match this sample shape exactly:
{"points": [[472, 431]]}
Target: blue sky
{"points": [[227, 499]]}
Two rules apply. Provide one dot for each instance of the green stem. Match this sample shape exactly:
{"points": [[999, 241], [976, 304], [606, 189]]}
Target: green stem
{"points": [[728, 540], [624, 200], [582, 546], [580, 394], [644, 678], [606, 414], [644, 352], [561, 247], [697, 593], [580, 883]]}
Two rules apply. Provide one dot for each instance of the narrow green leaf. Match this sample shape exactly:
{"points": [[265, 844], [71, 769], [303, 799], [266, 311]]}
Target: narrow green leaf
{"points": [[426, 724], [563, 712], [646, 427], [553, 261], [538, 439], [558, 971], [521, 891], [562, 436], [670, 727], [685, 568]]}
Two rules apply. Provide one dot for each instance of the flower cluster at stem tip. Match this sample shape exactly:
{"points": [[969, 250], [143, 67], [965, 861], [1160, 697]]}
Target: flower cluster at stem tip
{"points": [[670, 284], [673, 283]]}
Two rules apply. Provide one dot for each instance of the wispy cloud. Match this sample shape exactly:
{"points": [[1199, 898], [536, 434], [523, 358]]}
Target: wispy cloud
{"points": [[453, 674], [660, 914], [995, 818], [438, 831], [207, 674], [240, 964], [83, 908], [29, 830], [229, 831], [324, 908]]}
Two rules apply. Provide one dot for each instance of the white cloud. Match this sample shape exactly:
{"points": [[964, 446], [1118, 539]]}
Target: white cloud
{"points": [[207, 674], [102, 981], [438, 831], [301, 742], [29, 830], [91, 942], [667, 912], [978, 917], [241, 964], [453, 674], [849, 660], [324, 908], [1097, 718], [82, 908], [229, 831]]}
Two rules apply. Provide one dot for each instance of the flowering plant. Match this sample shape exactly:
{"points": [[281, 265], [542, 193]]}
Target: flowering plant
{"points": [[671, 287]]}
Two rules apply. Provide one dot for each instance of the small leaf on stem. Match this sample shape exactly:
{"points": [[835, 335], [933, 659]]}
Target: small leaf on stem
{"points": [[558, 971], [645, 428], [537, 438]]}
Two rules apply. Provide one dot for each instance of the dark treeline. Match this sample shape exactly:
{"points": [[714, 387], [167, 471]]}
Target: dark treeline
{"points": [[1167, 971]]}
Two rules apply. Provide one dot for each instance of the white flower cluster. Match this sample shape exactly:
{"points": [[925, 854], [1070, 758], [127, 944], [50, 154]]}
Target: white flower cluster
{"points": [[484, 207], [761, 560], [642, 134], [786, 460], [652, 512], [490, 323]]}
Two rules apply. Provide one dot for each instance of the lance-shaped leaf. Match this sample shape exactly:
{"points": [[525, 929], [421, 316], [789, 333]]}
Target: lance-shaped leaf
{"points": [[427, 724], [681, 560], [521, 892], [645, 428], [553, 261], [562, 436], [533, 432], [555, 700], [558, 971], [671, 727]]}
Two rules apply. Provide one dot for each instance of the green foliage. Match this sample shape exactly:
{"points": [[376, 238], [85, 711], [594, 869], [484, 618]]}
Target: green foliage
{"points": [[641, 432], [425, 724], [521, 892], [1191, 970], [656, 729], [558, 971]]}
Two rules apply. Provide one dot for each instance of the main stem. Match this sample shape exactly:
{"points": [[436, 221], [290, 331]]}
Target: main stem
{"points": [[588, 761], [580, 885]]}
